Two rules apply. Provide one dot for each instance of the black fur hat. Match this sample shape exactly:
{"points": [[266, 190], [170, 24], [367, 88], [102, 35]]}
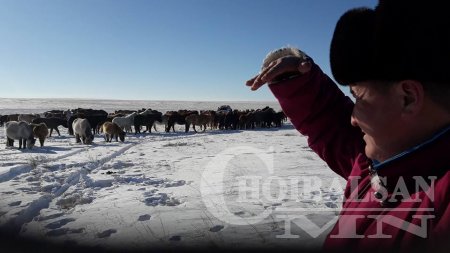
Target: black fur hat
{"points": [[400, 39], [351, 52]]}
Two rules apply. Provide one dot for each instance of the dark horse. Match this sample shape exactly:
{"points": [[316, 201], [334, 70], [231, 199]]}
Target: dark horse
{"points": [[146, 120], [178, 117], [52, 123]]}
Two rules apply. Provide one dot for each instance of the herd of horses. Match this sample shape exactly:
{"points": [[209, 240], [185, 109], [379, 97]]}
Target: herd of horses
{"points": [[85, 123]]}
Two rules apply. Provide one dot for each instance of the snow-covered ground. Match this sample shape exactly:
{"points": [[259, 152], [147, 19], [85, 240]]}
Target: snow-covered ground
{"points": [[228, 189]]}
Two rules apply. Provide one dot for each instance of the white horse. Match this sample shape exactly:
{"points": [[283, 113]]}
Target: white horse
{"points": [[28, 117], [147, 111], [83, 131], [68, 114], [21, 131], [125, 122]]}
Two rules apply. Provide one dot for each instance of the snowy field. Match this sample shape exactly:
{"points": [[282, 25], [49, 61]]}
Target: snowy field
{"points": [[237, 189]]}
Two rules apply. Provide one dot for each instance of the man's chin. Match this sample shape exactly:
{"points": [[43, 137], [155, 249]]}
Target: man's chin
{"points": [[369, 152]]}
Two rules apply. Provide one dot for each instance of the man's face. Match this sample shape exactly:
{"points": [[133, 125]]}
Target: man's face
{"points": [[378, 113]]}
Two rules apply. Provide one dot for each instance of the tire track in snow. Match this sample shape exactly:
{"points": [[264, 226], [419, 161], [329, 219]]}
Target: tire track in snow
{"points": [[74, 177], [20, 169], [104, 159], [182, 135], [34, 208]]}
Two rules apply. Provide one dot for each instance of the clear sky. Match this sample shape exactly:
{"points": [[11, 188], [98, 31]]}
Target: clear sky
{"points": [[155, 49]]}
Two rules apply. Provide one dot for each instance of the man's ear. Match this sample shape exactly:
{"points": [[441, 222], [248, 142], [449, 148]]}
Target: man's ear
{"points": [[412, 95]]}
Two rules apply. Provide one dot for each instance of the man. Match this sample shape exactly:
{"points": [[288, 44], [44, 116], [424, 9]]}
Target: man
{"points": [[393, 142]]}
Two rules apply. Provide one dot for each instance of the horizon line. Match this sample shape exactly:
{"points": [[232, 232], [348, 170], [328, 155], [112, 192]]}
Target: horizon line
{"points": [[117, 99]]}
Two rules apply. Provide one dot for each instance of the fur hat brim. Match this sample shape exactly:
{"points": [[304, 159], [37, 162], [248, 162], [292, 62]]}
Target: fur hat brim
{"points": [[352, 46], [399, 40]]}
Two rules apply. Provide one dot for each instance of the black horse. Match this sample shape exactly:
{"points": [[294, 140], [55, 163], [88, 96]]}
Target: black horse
{"points": [[52, 123]]}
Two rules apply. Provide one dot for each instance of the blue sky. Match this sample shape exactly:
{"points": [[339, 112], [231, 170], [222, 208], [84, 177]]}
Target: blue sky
{"points": [[155, 49]]}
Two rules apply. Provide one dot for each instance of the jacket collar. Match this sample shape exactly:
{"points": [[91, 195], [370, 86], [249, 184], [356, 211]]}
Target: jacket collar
{"points": [[430, 158]]}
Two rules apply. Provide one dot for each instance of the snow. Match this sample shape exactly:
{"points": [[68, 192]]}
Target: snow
{"points": [[228, 189]]}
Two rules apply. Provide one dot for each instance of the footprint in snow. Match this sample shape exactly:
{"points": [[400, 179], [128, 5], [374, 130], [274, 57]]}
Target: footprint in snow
{"points": [[16, 203], [64, 231], [57, 232], [331, 205], [60, 223], [175, 238], [244, 214], [144, 217], [77, 231], [106, 233], [216, 228], [49, 217]]}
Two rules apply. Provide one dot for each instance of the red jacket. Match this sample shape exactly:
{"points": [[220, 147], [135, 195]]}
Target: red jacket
{"points": [[416, 213]]}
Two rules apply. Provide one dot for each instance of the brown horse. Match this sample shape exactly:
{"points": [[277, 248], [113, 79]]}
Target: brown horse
{"points": [[40, 131], [199, 120], [112, 130]]}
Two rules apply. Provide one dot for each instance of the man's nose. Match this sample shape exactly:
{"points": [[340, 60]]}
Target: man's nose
{"points": [[353, 120]]}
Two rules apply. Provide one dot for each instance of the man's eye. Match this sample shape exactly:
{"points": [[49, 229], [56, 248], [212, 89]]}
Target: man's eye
{"points": [[354, 95]]}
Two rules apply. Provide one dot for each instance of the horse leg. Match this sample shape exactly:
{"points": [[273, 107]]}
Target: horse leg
{"points": [[20, 143], [56, 129], [167, 127], [186, 127], [77, 138], [8, 142], [41, 140]]}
